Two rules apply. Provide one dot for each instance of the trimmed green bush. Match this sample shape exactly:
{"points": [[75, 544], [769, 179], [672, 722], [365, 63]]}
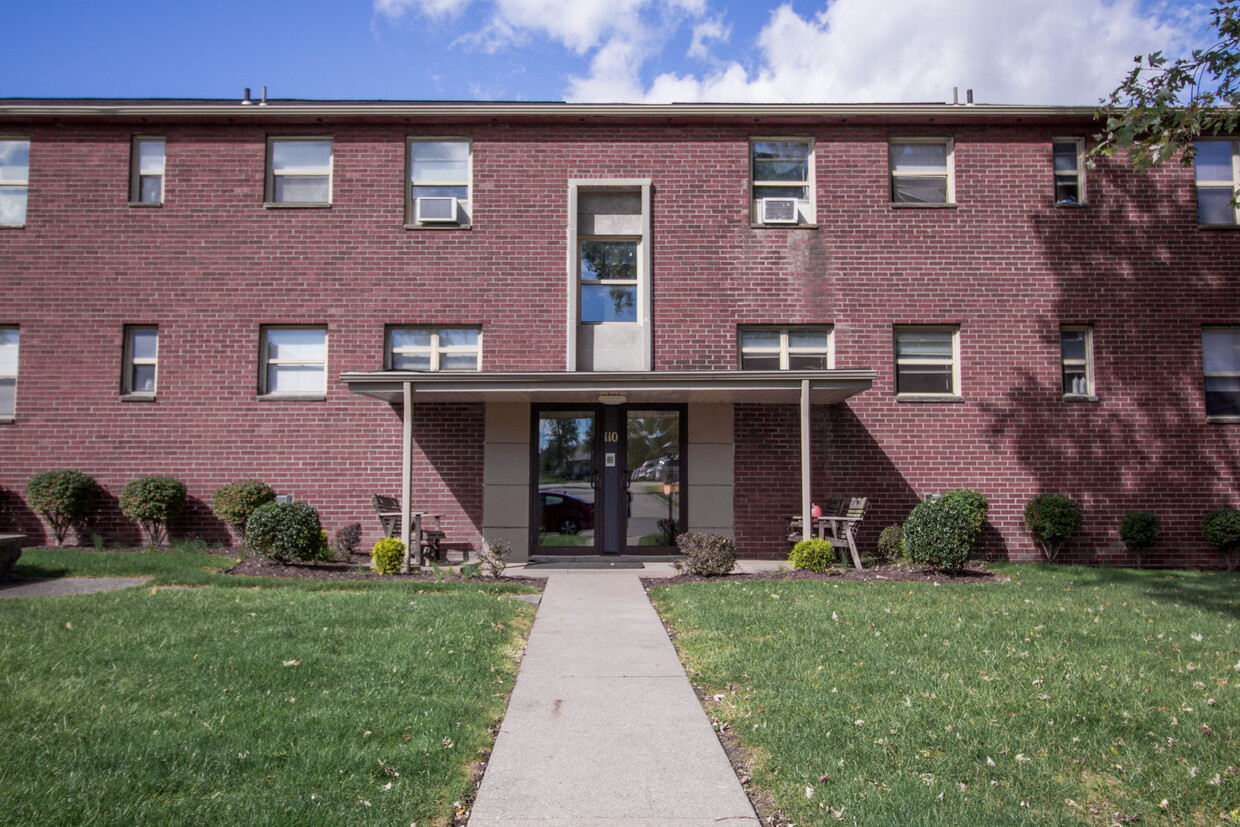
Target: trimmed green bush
{"points": [[1139, 530], [973, 504], [939, 534], [707, 555], [347, 540], [285, 531], [235, 502], [814, 554], [890, 543], [153, 501], [1221, 528], [387, 556], [62, 497], [1052, 518]]}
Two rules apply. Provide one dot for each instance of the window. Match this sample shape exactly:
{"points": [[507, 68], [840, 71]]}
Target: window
{"points": [[921, 171], [785, 348], [1076, 349], [14, 176], [781, 181], [434, 348], [927, 361], [439, 182], [146, 185], [1214, 165], [8, 371], [299, 171], [141, 352], [1220, 352], [294, 361], [609, 280], [1067, 159]]}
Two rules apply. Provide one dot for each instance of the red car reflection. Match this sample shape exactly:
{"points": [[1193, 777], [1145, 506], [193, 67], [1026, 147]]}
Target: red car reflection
{"points": [[564, 514]]}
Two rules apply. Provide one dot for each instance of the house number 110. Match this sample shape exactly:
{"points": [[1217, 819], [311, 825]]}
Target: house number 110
{"points": [[611, 436]]}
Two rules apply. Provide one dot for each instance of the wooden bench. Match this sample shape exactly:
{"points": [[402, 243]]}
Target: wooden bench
{"points": [[425, 533], [841, 517]]}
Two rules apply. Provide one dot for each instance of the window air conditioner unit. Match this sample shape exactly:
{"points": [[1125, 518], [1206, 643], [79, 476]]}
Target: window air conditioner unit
{"points": [[435, 211], [779, 211]]}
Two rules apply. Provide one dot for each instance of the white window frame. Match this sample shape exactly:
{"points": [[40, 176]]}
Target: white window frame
{"points": [[25, 183], [130, 361], [434, 350], [785, 350], [954, 393], [1227, 374], [805, 206], [1230, 185], [950, 171], [464, 206], [265, 361], [636, 282], [1078, 176], [8, 417], [136, 175], [272, 175], [1087, 364]]}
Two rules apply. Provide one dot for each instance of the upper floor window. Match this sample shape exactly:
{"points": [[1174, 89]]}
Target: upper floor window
{"points": [[146, 177], [1214, 165], [927, 360], [609, 280], [14, 176], [439, 182], [294, 361], [921, 171], [1220, 353], [1068, 161], [785, 348], [1076, 353], [299, 171], [8, 371], [781, 181], [434, 348], [141, 358]]}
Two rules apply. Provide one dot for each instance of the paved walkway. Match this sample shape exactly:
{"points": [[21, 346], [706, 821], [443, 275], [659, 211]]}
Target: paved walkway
{"points": [[603, 726], [53, 586]]}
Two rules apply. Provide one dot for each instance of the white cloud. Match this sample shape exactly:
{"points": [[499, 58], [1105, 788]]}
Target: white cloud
{"points": [[431, 8], [711, 29]]}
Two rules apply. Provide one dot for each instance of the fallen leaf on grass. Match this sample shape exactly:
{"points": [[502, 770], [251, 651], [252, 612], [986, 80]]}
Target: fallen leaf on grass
{"points": [[291, 663]]}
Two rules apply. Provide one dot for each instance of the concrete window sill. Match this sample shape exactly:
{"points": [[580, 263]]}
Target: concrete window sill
{"points": [[928, 397], [137, 397]]}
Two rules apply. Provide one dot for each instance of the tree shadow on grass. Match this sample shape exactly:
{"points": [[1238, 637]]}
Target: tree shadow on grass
{"points": [[1217, 592]]}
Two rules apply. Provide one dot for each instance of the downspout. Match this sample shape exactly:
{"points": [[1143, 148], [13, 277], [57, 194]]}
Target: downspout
{"points": [[406, 473], [806, 494]]}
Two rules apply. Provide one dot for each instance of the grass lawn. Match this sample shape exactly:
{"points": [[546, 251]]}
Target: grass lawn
{"points": [[248, 701], [1064, 696]]}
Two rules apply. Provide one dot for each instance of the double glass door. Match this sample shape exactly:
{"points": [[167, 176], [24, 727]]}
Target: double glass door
{"points": [[607, 479]]}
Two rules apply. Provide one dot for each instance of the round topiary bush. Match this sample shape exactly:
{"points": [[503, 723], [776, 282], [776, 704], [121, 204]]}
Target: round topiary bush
{"points": [[1139, 530], [890, 543], [235, 502], [387, 556], [62, 497], [153, 501], [1221, 528], [939, 535], [285, 531], [1052, 518], [707, 555], [973, 504], [814, 554]]}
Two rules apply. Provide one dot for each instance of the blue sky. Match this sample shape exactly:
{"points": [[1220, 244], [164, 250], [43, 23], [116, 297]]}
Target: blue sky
{"points": [[1009, 51]]}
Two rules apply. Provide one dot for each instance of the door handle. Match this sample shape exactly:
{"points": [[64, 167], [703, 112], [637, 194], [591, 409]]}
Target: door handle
{"points": [[594, 480]]}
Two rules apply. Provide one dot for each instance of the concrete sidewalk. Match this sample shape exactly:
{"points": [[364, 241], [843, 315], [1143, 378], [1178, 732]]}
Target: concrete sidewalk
{"points": [[603, 726]]}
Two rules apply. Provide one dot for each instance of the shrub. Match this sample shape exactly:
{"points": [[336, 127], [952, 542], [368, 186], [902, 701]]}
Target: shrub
{"points": [[388, 556], [1139, 530], [1222, 529], [1052, 518], [153, 501], [668, 529], [708, 555], [235, 502], [347, 539], [494, 556], [814, 554], [61, 497], [285, 530], [939, 534], [972, 503], [890, 543]]}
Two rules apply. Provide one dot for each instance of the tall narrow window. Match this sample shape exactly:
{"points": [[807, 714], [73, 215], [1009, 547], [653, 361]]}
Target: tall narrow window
{"points": [[927, 361], [1076, 349], [439, 182], [147, 171], [785, 348], [434, 348], [921, 171], [1214, 167], [608, 280], [294, 361], [14, 177], [1066, 154], [1220, 351], [8, 371], [781, 181], [141, 358], [299, 171]]}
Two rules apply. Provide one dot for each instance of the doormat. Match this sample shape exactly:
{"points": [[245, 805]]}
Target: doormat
{"points": [[595, 563]]}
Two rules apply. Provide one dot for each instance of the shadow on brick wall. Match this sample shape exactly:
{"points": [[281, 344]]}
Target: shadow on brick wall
{"points": [[19, 518]]}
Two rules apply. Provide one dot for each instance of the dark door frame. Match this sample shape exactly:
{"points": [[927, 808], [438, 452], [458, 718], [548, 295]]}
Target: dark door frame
{"points": [[682, 409]]}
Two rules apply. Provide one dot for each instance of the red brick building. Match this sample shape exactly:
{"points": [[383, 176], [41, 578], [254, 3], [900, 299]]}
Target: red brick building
{"points": [[590, 318]]}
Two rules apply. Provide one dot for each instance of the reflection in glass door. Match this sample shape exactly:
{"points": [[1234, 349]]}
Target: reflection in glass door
{"points": [[653, 461], [567, 479]]}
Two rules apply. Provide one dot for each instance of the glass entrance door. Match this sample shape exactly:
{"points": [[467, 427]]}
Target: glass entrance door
{"points": [[653, 460], [566, 481]]}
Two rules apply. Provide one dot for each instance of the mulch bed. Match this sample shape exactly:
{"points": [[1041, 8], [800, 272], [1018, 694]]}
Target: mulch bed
{"points": [[254, 566], [895, 573]]}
